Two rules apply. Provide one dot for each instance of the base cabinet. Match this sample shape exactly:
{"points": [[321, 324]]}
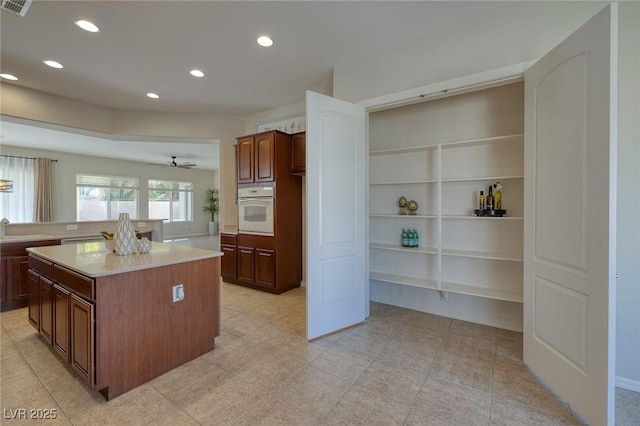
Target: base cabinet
{"points": [[82, 338], [265, 261], [58, 309], [229, 261], [246, 270]]}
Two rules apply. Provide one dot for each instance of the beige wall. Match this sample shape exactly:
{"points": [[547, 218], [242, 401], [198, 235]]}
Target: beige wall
{"points": [[39, 106]]}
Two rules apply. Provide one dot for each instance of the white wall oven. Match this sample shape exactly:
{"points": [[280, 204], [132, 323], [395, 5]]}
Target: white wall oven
{"points": [[255, 211]]}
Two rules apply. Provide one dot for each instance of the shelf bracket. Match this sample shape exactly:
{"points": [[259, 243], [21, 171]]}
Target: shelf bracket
{"points": [[444, 295]]}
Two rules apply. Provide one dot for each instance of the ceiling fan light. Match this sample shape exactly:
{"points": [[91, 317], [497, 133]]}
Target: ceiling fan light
{"points": [[265, 41], [87, 26], [53, 64], [152, 95], [196, 73], [9, 76]]}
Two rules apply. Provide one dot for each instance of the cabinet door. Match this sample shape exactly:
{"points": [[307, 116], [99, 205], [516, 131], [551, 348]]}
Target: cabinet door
{"points": [[265, 268], [245, 160], [61, 299], [264, 149], [33, 280], [46, 308], [298, 154], [229, 261], [20, 267], [3, 279], [82, 343], [245, 265]]}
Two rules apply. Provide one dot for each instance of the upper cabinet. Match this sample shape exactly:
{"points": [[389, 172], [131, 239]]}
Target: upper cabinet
{"points": [[298, 154], [256, 158]]}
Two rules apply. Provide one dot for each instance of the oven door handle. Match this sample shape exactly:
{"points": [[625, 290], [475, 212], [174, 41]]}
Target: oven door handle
{"points": [[265, 201]]}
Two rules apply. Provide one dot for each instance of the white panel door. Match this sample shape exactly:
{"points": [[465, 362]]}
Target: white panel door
{"points": [[569, 266], [336, 214]]}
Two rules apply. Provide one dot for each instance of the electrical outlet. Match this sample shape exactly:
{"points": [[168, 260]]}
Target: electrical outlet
{"points": [[142, 224], [178, 292], [72, 227]]}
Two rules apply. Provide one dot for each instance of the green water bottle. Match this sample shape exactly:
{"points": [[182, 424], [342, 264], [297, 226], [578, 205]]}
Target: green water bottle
{"points": [[405, 237], [416, 239]]}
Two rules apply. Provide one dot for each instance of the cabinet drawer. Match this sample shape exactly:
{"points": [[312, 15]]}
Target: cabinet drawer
{"points": [[74, 281], [228, 239], [41, 266]]}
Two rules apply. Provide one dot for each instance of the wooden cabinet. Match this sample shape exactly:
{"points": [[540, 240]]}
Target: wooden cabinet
{"points": [[264, 157], [61, 300], [246, 265], [245, 160], [60, 309], [298, 154], [229, 261], [14, 273], [82, 338], [265, 268]]}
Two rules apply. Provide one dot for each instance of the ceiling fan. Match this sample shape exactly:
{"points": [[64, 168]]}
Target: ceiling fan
{"points": [[186, 165]]}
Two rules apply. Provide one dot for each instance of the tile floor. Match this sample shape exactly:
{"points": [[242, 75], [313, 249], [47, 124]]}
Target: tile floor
{"points": [[399, 367]]}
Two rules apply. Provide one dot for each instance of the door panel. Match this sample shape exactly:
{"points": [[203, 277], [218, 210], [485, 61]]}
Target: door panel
{"points": [[245, 160], [246, 265], [46, 308], [336, 215], [61, 321], [34, 299], [264, 148], [82, 338], [265, 268], [569, 253]]}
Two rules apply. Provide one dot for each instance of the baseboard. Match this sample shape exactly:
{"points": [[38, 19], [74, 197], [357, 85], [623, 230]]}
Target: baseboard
{"points": [[303, 283], [628, 384]]}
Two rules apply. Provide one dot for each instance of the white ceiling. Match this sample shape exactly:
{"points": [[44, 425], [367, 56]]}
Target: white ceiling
{"points": [[150, 46]]}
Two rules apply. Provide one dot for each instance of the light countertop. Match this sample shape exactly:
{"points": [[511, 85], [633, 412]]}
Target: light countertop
{"points": [[229, 229], [94, 260]]}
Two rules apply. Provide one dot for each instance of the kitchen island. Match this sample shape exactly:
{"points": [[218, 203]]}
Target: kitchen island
{"points": [[120, 321]]}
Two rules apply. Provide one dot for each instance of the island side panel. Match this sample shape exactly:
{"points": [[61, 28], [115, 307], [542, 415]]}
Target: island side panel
{"points": [[141, 333]]}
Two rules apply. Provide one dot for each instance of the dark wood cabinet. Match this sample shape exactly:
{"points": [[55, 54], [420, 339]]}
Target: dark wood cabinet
{"points": [[264, 157], [82, 338], [14, 273], [46, 308], [34, 300], [298, 154], [61, 340], [265, 262], [245, 160], [229, 261], [246, 265]]}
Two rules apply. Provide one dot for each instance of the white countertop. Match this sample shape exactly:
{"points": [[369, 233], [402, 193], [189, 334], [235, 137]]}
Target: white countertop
{"points": [[94, 260]]}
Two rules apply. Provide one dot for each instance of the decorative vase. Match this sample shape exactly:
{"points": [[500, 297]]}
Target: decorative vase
{"points": [[125, 236], [144, 245]]}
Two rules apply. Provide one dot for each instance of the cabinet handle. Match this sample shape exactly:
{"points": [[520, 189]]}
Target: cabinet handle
{"points": [[246, 251], [227, 249], [265, 254]]}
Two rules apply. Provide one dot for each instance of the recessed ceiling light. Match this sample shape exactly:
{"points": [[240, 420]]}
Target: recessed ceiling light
{"points": [[265, 41], [53, 64], [196, 73], [87, 26], [153, 95], [9, 76]]}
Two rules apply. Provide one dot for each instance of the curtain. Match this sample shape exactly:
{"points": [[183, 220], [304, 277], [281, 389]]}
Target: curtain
{"points": [[17, 206], [43, 210]]}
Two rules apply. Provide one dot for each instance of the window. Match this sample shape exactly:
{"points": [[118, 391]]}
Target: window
{"points": [[171, 200], [104, 197], [17, 205]]}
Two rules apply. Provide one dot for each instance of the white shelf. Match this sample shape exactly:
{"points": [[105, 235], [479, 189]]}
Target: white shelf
{"points": [[483, 255], [481, 179], [482, 217], [405, 182], [404, 216], [399, 279], [490, 293], [481, 141], [405, 150], [397, 247]]}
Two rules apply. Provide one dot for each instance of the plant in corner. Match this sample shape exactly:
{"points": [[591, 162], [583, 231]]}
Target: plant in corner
{"points": [[212, 207]]}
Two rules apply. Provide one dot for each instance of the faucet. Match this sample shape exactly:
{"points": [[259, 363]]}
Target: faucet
{"points": [[3, 222]]}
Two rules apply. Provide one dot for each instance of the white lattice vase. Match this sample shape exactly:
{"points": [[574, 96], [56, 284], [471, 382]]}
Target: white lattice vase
{"points": [[125, 236]]}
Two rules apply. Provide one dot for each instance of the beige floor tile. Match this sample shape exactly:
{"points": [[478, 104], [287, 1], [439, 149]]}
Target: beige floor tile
{"points": [[477, 331], [365, 341], [627, 407], [304, 399], [469, 347], [509, 344], [177, 418], [343, 362], [512, 380], [410, 352], [429, 321], [505, 412], [23, 400], [13, 367], [73, 395], [139, 406], [360, 406], [466, 371], [448, 401], [223, 403], [271, 370], [391, 381], [383, 326]]}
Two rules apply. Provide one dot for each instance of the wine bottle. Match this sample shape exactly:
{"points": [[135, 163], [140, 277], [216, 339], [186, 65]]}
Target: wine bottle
{"points": [[481, 201], [497, 197], [490, 198]]}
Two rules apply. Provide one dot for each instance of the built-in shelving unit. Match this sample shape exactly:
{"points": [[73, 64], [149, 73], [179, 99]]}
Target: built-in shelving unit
{"points": [[459, 252]]}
